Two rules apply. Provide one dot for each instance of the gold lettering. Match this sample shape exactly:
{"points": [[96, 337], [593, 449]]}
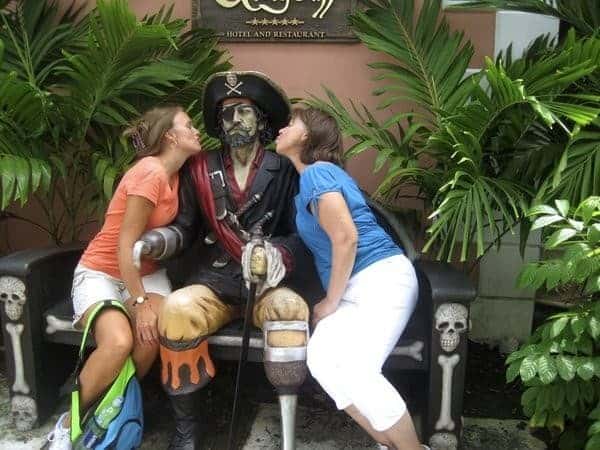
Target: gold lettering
{"points": [[323, 9], [256, 5], [248, 4], [228, 3]]}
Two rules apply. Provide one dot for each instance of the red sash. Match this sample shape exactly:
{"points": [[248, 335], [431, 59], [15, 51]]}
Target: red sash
{"points": [[225, 235]]}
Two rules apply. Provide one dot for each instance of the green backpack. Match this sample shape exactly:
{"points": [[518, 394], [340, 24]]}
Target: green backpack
{"points": [[116, 421]]}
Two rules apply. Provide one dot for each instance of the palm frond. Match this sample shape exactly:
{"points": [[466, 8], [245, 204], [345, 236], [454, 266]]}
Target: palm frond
{"points": [[542, 46], [397, 140], [470, 204], [120, 64], [199, 48], [526, 151], [23, 166], [35, 34], [21, 177], [577, 176], [429, 60]]}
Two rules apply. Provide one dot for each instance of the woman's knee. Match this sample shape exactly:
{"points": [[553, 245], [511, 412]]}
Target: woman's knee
{"points": [[319, 358], [122, 344], [113, 334]]}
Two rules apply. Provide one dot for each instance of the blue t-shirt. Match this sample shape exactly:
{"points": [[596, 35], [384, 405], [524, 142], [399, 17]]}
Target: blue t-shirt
{"points": [[374, 243]]}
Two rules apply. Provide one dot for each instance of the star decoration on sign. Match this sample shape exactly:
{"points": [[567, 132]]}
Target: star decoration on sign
{"points": [[275, 22]]}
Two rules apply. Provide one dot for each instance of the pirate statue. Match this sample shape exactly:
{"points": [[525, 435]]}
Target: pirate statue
{"points": [[222, 196]]}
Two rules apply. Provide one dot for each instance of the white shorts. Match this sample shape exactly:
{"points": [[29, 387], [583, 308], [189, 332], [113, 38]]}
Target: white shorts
{"points": [[93, 286]]}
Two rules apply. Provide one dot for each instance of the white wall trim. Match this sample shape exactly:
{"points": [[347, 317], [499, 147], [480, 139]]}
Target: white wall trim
{"points": [[521, 29]]}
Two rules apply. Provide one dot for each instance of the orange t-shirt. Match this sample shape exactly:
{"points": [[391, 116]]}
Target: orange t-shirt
{"points": [[147, 178]]}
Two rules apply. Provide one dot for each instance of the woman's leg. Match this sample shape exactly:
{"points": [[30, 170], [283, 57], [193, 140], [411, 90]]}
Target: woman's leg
{"points": [[384, 304], [114, 342], [327, 350], [158, 286], [402, 434], [144, 354], [364, 423], [349, 347]]}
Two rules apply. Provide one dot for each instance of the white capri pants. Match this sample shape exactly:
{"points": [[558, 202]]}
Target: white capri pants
{"points": [[93, 286], [348, 348]]}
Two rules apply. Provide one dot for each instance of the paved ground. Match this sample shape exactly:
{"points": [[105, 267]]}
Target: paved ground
{"points": [[319, 426]]}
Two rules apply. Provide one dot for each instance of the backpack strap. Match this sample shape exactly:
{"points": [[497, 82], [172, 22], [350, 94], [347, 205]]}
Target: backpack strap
{"points": [[130, 369]]}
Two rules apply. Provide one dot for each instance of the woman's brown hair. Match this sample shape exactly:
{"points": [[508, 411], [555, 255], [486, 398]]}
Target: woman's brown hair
{"points": [[324, 136], [148, 131]]}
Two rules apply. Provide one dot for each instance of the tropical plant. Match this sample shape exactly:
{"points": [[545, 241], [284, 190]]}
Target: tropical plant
{"points": [[69, 83], [479, 148], [560, 365]]}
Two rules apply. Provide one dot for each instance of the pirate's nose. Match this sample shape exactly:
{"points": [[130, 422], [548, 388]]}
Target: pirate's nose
{"points": [[236, 115]]}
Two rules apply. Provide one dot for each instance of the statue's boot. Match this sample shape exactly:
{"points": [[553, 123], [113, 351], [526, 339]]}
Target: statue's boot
{"points": [[187, 318], [186, 368], [186, 435]]}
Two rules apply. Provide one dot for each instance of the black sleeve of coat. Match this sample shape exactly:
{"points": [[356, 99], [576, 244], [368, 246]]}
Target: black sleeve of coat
{"points": [[286, 234], [189, 217]]}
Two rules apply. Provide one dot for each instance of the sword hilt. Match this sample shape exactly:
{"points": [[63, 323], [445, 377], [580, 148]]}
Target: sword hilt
{"points": [[257, 228], [246, 206], [258, 258]]}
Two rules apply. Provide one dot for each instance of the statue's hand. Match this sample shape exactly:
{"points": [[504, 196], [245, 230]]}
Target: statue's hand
{"points": [[159, 243], [275, 267]]}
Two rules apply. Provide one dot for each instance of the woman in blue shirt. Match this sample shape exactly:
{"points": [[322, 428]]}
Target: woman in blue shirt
{"points": [[371, 286]]}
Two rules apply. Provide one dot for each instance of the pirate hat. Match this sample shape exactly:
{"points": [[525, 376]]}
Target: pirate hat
{"points": [[255, 86]]}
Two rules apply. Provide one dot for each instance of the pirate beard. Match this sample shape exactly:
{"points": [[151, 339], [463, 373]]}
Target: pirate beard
{"points": [[236, 139]]}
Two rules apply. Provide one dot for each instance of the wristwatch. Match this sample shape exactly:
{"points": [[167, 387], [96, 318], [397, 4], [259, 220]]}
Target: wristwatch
{"points": [[139, 300]]}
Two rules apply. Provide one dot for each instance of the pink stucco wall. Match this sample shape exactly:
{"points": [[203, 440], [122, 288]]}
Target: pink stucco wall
{"points": [[300, 68]]}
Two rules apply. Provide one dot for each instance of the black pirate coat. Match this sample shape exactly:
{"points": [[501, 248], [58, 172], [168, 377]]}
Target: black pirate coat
{"points": [[210, 264]]}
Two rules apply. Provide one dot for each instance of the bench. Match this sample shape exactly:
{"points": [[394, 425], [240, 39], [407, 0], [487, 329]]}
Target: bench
{"points": [[40, 342]]}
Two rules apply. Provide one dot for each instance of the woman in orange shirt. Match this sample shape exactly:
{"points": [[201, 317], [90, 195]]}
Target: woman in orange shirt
{"points": [[146, 198]]}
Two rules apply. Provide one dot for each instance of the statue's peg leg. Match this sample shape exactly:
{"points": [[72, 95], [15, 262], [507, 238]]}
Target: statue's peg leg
{"points": [[287, 407], [285, 367]]}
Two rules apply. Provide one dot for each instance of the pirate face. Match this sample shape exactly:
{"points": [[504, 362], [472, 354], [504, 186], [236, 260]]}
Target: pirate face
{"points": [[240, 121]]}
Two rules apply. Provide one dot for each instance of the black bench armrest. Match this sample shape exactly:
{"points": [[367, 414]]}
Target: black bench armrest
{"points": [[47, 273], [31, 281], [445, 294], [444, 283]]}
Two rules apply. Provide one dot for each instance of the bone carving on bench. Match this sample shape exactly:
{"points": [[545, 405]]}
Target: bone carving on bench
{"points": [[413, 350], [448, 364], [12, 294], [451, 322], [15, 331], [443, 441], [55, 324], [23, 411]]}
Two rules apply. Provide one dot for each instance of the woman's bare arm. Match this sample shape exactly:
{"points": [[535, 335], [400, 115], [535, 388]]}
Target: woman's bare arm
{"points": [[137, 212], [335, 218]]}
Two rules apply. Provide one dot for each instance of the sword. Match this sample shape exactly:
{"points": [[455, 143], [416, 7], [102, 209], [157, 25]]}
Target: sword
{"points": [[234, 218], [258, 270]]}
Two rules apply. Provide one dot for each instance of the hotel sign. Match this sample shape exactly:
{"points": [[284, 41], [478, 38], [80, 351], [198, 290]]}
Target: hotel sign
{"points": [[275, 20]]}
